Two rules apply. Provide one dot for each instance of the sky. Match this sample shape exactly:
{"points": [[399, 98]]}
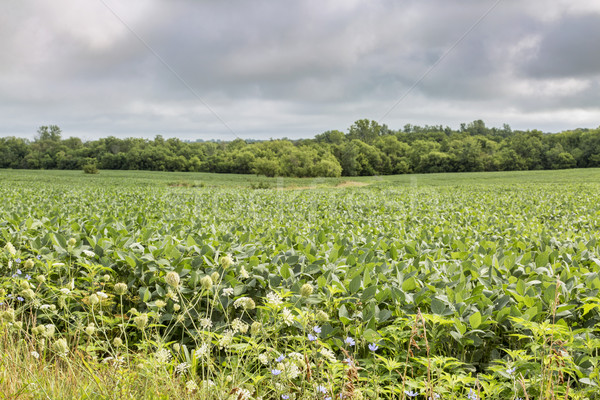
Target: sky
{"points": [[272, 69]]}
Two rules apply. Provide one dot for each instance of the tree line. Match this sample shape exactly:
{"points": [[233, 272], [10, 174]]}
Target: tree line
{"points": [[367, 148]]}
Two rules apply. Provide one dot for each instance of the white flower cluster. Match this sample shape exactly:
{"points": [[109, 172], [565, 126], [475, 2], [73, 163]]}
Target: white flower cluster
{"points": [[274, 299]]}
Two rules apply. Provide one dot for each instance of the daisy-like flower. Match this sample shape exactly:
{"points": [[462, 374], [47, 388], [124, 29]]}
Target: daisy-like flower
{"points": [[317, 329], [349, 341], [280, 358], [373, 347], [275, 372], [311, 337]]}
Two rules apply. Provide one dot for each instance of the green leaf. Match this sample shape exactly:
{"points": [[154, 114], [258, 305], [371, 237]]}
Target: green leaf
{"points": [[475, 320]]}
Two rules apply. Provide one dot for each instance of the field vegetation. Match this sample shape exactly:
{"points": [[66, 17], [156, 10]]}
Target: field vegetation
{"points": [[191, 285], [366, 149]]}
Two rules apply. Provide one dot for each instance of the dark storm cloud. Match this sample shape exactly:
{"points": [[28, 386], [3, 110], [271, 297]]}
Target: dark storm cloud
{"points": [[569, 48], [273, 69]]}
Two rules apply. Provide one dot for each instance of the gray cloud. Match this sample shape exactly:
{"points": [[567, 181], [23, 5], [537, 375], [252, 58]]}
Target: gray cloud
{"points": [[274, 69]]}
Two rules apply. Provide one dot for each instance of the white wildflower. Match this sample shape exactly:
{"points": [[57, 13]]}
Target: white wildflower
{"points": [[292, 371], [228, 292], [35, 354], [65, 290], [163, 356], [89, 254], [287, 316], [181, 368], [245, 302], [226, 339], [330, 355], [274, 299], [10, 248], [202, 351], [263, 358], [206, 323], [102, 295], [239, 326], [191, 386], [243, 273]]}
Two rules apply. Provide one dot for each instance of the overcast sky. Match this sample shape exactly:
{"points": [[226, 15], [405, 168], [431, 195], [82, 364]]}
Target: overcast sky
{"points": [[262, 69]]}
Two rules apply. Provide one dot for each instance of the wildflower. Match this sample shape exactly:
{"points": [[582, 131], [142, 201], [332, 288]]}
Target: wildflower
{"points": [[245, 302], [141, 321], [93, 299], [306, 290], [206, 282], [40, 278], [117, 342], [35, 354], [191, 386], [102, 295], [349, 341], [226, 339], [72, 242], [255, 327], [274, 299], [19, 298], [280, 358], [10, 248], [410, 393], [215, 276], [65, 291], [28, 264], [176, 307], [89, 254], [239, 326], [275, 372], [61, 347], [285, 396], [162, 356], [39, 257], [172, 279], [28, 277], [49, 330], [321, 389], [121, 289], [322, 316], [292, 371], [181, 368], [437, 396], [18, 261], [348, 361], [160, 304], [202, 351], [228, 292], [243, 273], [373, 347], [317, 329], [328, 354], [311, 337], [511, 371], [472, 395], [287, 316], [90, 329], [206, 323], [226, 261], [263, 358]]}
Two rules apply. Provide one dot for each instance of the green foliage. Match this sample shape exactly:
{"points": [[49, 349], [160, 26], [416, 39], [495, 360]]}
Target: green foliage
{"points": [[90, 168], [367, 149]]}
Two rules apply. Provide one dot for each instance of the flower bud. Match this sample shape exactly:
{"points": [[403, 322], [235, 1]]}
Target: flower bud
{"points": [[40, 278], [60, 346], [28, 264], [93, 299], [72, 242], [141, 321], [172, 279], [226, 261], [176, 307], [90, 329], [121, 289], [117, 342], [306, 290], [206, 282], [255, 327], [215, 277], [106, 278], [322, 316]]}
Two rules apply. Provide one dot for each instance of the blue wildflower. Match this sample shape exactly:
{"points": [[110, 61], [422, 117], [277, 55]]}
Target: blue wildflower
{"points": [[410, 393], [39, 257], [349, 341], [285, 396], [28, 277], [373, 347], [18, 261], [321, 389], [311, 337], [280, 358], [317, 329], [511, 371], [275, 372], [20, 298], [472, 395]]}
